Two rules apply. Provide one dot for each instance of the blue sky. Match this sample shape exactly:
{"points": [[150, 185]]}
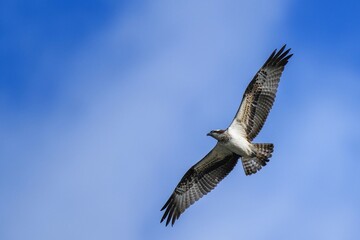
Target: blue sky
{"points": [[104, 105]]}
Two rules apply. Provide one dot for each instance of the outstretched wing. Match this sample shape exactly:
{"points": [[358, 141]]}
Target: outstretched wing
{"points": [[259, 96], [198, 181]]}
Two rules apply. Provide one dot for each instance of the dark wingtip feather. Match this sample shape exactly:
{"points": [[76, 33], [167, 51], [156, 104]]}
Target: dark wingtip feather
{"points": [[171, 213], [170, 216], [284, 53], [271, 56], [278, 58], [173, 219], [285, 60], [279, 52], [167, 203], [167, 214]]}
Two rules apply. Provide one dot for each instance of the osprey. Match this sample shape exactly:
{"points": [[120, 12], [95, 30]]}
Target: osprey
{"points": [[234, 142]]}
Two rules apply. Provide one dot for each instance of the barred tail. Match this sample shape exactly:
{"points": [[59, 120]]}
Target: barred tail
{"points": [[263, 151]]}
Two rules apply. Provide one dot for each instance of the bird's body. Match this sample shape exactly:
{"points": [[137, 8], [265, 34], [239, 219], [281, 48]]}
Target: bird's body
{"points": [[237, 141], [234, 142]]}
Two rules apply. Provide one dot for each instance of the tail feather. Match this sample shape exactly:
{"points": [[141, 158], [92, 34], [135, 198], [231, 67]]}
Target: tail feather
{"points": [[262, 153]]}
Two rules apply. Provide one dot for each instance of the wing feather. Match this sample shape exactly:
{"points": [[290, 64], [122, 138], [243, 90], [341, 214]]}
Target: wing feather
{"points": [[260, 94], [199, 180]]}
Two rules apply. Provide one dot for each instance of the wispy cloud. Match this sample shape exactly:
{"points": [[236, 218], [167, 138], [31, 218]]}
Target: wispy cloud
{"points": [[133, 108]]}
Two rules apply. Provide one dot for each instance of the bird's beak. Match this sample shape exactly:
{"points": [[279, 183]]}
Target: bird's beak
{"points": [[209, 134]]}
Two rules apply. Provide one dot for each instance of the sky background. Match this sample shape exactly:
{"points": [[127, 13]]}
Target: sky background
{"points": [[104, 105]]}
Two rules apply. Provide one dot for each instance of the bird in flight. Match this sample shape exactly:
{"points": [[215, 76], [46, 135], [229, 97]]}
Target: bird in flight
{"points": [[234, 142]]}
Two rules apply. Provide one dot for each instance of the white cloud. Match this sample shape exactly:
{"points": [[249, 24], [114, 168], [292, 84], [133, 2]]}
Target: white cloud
{"points": [[101, 168]]}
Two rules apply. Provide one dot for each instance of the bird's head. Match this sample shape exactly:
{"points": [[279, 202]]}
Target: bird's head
{"points": [[219, 135]]}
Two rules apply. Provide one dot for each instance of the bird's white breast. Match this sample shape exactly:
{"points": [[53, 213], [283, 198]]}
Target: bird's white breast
{"points": [[238, 142]]}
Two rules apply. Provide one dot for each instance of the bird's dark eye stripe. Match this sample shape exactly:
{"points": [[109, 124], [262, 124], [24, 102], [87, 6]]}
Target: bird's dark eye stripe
{"points": [[219, 131]]}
